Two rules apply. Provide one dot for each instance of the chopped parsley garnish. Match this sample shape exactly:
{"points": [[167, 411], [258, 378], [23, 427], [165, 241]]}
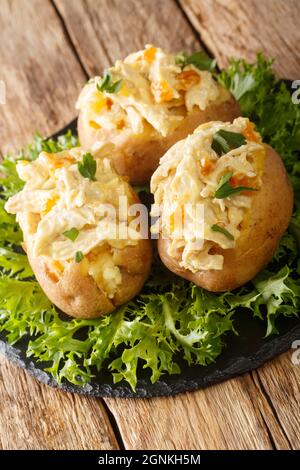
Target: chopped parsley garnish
{"points": [[88, 166], [72, 234], [108, 85], [224, 141], [199, 59], [78, 256], [225, 189], [218, 228]]}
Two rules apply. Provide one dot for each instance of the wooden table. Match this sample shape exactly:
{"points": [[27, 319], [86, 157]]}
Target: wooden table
{"points": [[47, 51]]}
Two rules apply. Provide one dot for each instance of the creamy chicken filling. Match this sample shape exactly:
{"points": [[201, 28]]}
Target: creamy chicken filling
{"points": [[199, 172], [67, 217], [147, 88]]}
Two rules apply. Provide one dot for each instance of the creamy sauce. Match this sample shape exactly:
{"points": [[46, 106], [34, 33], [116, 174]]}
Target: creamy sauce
{"points": [[57, 198], [189, 173], [154, 91]]}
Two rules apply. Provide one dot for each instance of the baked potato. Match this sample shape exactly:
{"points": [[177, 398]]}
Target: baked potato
{"points": [[145, 104], [246, 202], [83, 249]]}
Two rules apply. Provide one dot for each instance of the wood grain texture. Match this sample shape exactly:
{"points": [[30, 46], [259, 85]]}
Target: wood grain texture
{"points": [[41, 73], [105, 30], [225, 416], [279, 380], [239, 28], [34, 416]]}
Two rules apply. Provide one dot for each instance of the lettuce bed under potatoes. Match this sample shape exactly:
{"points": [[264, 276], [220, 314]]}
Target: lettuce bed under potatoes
{"points": [[170, 316]]}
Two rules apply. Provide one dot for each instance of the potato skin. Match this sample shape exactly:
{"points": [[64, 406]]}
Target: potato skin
{"points": [[264, 225], [74, 293], [137, 156], [77, 294]]}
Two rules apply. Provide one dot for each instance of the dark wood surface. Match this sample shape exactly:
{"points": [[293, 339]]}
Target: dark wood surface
{"points": [[47, 50]]}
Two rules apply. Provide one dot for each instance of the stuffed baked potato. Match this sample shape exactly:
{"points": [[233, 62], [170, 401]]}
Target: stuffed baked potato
{"points": [[144, 105], [244, 201], [69, 214]]}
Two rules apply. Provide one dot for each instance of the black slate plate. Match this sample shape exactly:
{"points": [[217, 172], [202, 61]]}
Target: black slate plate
{"points": [[245, 352]]}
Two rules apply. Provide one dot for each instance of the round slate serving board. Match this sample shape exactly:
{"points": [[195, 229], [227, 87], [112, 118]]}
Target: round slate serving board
{"points": [[242, 353]]}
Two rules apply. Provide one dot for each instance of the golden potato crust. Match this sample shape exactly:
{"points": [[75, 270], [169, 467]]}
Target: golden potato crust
{"points": [[264, 225], [77, 294], [137, 156]]}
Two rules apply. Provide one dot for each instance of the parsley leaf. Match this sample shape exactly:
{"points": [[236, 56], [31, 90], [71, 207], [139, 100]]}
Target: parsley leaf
{"points": [[199, 59], [202, 61], [224, 188], [224, 141], [251, 84], [72, 234], [88, 167], [108, 85], [218, 228], [78, 256]]}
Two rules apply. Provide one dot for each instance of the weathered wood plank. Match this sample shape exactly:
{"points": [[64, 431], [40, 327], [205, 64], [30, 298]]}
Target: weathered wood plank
{"points": [[42, 78], [280, 381], [34, 416], [239, 28], [41, 73], [105, 30], [225, 416]]}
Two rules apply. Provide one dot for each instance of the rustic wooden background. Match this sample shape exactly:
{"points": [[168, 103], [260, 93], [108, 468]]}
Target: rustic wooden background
{"points": [[48, 48]]}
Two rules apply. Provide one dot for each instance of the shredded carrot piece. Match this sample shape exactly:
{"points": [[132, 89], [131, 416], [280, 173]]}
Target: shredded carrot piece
{"points": [[187, 79], [250, 134], [98, 106], [121, 124], [236, 181], [59, 162], [161, 91], [49, 204], [149, 54], [172, 218], [109, 103], [94, 125], [53, 276], [58, 265], [206, 166]]}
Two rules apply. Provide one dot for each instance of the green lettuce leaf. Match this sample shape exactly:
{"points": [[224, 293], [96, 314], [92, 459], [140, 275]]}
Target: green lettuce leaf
{"points": [[267, 101]]}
